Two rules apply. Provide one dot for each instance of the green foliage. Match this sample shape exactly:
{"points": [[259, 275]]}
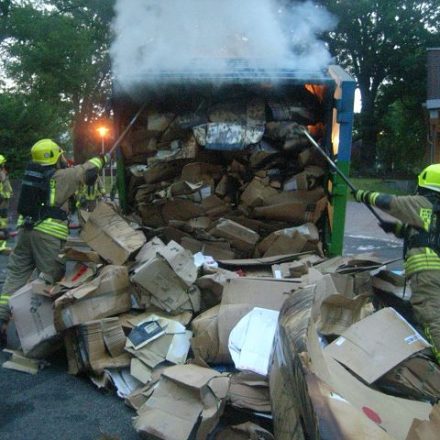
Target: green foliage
{"points": [[23, 122], [383, 45], [58, 54], [403, 133]]}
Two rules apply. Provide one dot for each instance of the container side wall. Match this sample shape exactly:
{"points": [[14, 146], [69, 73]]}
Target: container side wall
{"points": [[341, 144]]}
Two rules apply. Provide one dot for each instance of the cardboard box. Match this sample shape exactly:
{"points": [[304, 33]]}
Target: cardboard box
{"points": [[295, 212], [371, 347], [184, 396], [180, 209], [240, 296], [168, 278], [280, 244], [240, 237], [86, 349], [34, 319], [257, 193], [426, 430], [106, 295], [394, 415], [181, 261], [160, 280], [205, 339], [305, 180], [306, 384], [111, 236]]}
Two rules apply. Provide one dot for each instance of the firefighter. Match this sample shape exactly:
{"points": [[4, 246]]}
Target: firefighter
{"points": [[5, 195], [46, 188], [88, 195], [419, 226]]}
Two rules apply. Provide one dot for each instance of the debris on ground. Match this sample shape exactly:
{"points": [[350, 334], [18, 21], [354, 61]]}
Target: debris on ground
{"points": [[215, 296]]}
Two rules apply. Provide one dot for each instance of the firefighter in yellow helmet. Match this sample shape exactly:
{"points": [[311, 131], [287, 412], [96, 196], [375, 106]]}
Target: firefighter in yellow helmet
{"points": [[46, 188], [5, 195], [419, 226]]}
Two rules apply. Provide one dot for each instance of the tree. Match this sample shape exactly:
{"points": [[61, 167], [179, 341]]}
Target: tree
{"points": [[382, 44], [59, 55], [22, 122]]}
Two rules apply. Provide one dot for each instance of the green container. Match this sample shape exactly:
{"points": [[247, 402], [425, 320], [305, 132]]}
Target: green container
{"points": [[172, 91]]}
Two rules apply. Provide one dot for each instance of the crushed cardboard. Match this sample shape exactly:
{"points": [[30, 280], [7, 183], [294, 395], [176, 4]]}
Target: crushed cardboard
{"points": [[111, 236]]}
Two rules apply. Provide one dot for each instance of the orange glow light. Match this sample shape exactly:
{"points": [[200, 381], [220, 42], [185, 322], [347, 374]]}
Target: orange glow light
{"points": [[102, 131]]}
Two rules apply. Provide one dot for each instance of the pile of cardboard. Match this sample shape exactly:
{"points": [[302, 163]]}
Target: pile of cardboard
{"points": [[232, 179], [205, 348]]}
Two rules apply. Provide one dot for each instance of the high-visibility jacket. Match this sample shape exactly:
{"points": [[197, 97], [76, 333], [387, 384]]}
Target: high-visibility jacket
{"points": [[415, 211], [63, 184], [89, 193], [5, 185]]}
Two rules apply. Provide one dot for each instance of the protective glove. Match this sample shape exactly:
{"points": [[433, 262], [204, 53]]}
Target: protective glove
{"points": [[389, 227], [3, 333]]}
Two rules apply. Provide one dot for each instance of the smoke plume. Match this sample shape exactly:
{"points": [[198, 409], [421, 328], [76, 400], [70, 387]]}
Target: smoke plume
{"points": [[181, 35]]}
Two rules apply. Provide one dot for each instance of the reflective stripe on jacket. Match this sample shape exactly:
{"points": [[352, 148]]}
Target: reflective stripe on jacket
{"points": [[63, 184], [415, 211]]}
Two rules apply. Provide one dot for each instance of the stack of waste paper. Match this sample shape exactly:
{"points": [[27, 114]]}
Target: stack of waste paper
{"points": [[233, 179], [289, 346]]}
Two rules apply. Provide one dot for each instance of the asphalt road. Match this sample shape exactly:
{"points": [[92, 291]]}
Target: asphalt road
{"points": [[55, 405]]}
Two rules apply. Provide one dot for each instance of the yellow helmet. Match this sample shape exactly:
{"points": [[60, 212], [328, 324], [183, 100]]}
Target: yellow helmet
{"points": [[429, 178], [46, 152], [2, 159]]}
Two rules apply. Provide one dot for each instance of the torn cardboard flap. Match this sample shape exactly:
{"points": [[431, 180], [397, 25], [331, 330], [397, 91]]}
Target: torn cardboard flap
{"points": [[34, 319], [374, 345], [249, 390], [19, 362], [79, 274], [82, 255], [111, 236], [393, 414], [338, 313], [149, 250], [389, 282], [106, 295], [181, 261], [426, 430], [183, 395]]}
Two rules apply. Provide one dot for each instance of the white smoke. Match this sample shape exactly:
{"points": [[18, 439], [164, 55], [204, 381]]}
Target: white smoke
{"points": [[169, 35]]}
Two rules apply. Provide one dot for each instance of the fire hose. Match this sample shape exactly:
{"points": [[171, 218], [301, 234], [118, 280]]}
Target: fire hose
{"points": [[340, 173]]}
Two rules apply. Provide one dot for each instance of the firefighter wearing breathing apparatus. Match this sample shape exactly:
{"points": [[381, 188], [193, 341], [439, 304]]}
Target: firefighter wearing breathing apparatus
{"points": [[46, 188], [419, 226], [87, 196], [5, 195]]}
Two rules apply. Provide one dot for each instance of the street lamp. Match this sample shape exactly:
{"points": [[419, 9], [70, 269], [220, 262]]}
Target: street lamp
{"points": [[102, 131]]}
